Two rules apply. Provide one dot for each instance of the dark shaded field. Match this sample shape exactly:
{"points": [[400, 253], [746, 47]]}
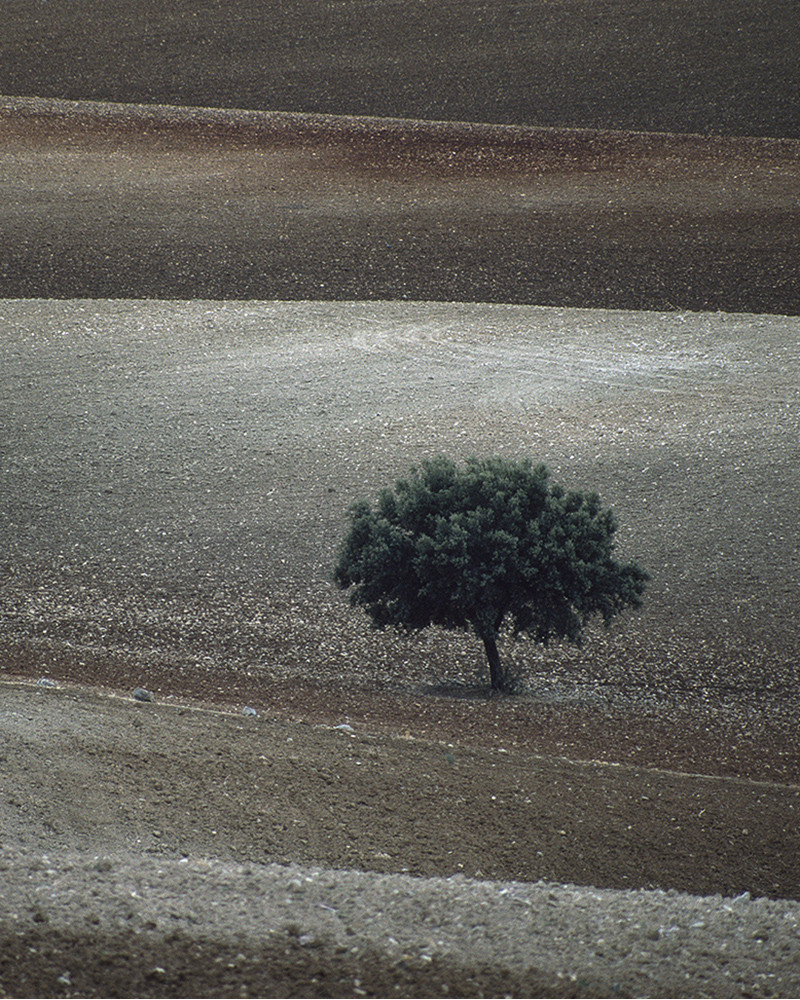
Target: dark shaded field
{"points": [[99, 202], [106, 201], [712, 67]]}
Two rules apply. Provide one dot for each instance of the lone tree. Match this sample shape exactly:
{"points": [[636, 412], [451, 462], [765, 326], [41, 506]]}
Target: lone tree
{"points": [[487, 546]]}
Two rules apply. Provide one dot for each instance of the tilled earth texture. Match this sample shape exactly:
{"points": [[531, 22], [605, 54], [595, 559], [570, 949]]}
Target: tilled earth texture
{"points": [[219, 328], [708, 67], [110, 201], [176, 477]]}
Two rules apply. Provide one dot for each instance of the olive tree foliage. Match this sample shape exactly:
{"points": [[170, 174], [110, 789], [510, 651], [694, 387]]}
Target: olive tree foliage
{"points": [[489, 546]]}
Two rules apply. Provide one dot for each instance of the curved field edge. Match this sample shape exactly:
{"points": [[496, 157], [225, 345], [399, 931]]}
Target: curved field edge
{"points": [[711, 68]]}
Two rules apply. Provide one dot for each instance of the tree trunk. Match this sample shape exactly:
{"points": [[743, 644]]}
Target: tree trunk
{"points": [[496, 671]]}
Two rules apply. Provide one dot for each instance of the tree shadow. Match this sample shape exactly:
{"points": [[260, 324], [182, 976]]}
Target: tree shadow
{"points": [[459, 690]]}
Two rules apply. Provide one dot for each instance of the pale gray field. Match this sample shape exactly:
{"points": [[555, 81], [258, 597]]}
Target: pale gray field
{"points": [[191, 464], [174, 480]]}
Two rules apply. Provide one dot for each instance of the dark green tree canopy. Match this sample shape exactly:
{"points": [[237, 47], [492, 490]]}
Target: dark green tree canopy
{"points": [[487, 546]]}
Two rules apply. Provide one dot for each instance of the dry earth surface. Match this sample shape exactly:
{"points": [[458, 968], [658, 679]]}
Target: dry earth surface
{"points": [[110, 201], [648, 65], [175, 482], [174, 477]]}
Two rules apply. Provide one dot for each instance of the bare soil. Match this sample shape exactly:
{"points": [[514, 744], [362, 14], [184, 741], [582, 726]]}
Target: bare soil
{"points": [[644, 65], [176, 479], [106, 201], [175, 476]]}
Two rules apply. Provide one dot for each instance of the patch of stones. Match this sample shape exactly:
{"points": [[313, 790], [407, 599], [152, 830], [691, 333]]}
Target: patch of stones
{"points": [[646, 943]]}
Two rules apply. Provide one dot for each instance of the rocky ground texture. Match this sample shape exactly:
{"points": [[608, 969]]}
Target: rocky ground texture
{"points": [[163, 849], [294, 805], [177, 477]]}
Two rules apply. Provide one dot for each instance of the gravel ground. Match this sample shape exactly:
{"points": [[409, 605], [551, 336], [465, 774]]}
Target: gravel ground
{"points": [[187, 468], [438, 937], [175, 479]]}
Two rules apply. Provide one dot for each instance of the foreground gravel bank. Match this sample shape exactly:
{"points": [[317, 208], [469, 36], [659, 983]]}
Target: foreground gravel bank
{"points": [[559, 939]]}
